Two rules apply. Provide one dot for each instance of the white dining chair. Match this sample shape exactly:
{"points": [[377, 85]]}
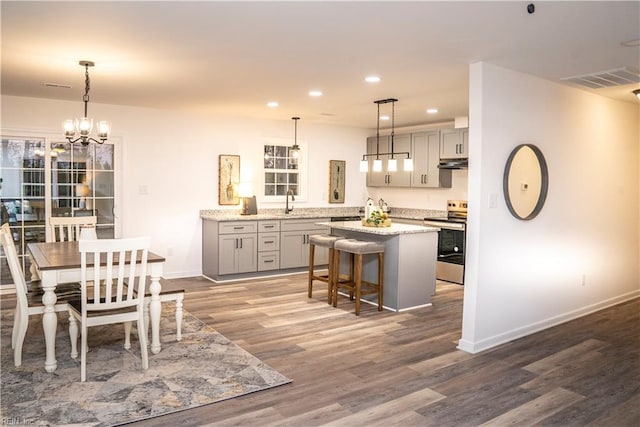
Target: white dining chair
{"points": [[122, 263], [29, 301], [70, 228]]}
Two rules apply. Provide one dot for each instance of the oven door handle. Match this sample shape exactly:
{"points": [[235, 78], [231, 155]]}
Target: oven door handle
{"points": [[450, 255], [444, 225]]}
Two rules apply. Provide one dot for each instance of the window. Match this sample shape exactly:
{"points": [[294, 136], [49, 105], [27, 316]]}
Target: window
{"points": [[40, 179], [280, 173], [82, 183], [22, 197]]}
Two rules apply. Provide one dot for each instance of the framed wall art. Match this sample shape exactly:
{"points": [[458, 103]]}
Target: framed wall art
{"points": [[228, 179], [337, 169]]}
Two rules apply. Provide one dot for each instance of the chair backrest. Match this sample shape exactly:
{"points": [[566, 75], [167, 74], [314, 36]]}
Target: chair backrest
{"points": [[68, 228], [122, 264], [6, 239]]}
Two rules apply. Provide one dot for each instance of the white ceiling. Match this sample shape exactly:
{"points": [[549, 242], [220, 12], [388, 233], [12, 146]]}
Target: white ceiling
{"points": [[233, 57]]}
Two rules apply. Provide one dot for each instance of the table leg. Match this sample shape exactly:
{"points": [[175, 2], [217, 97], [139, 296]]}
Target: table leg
{"points": [[49, 320], [155, 307]]}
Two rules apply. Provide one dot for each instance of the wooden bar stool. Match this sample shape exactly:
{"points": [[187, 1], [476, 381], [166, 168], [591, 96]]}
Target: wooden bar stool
{"points": [[324, 241], [355, 284]]}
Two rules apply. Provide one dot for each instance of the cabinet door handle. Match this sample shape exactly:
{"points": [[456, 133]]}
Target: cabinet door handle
{"points": [[269, 241], [236, 243], [269, 226], [239, 228], [240, 243], [268, 261]]}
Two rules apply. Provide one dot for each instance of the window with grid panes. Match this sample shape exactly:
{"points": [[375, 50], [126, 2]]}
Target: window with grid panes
{"points": [[280, 172], [78, 180], [22, 198], [82, 183]]}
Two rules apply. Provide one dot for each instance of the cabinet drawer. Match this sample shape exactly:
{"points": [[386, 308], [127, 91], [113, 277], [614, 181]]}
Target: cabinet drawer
{"points": [[238, 227], [268, 261], [268, 226], [268, 242], [301, 224]]}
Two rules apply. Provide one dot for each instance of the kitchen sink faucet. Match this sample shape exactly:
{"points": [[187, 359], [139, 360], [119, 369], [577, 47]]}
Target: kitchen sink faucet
{"points": [[287, 209]]}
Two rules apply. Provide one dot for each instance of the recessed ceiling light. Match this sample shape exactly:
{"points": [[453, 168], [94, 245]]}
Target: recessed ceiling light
{"points": [[272, 104], [432, 110], [315, 93], [372, 79], [384, 117]]}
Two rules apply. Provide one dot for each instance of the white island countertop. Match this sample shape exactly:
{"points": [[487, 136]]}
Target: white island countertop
{"points": [[394, 229]]}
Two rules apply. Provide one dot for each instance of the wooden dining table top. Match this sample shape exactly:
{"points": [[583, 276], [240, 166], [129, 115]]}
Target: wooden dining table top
{"points": [[66, 255]]}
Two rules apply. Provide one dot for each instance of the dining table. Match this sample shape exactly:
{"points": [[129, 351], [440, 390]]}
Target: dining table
{"points": [[59, 262]]}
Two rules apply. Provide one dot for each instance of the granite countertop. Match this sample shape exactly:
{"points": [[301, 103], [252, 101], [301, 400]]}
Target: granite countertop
{"points": [[301, 213], [391, 230]]}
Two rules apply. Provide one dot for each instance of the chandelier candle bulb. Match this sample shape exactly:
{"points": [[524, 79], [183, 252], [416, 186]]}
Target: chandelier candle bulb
{"points": [[85, 126], [69, 128], [103, 129]]}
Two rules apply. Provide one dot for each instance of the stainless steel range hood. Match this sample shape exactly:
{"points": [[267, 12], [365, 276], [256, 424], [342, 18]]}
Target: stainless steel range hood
{"points": [[453, 164]]}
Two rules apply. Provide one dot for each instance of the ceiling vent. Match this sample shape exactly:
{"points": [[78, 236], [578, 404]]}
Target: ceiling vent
{"points": [[617, 77]]}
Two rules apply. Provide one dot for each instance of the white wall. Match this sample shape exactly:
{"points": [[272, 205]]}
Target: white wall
{"points": [[175, 155], [523, 276]]}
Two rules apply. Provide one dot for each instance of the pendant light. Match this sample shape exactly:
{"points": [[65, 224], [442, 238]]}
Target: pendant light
{"points": [[392, 162], [83, 126], [294, 152]]}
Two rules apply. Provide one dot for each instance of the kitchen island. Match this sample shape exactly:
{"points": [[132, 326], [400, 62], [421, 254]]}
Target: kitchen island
{"points": [[409, 261]]}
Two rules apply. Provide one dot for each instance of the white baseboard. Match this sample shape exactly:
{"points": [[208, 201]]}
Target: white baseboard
{"points": [[496, 340]]}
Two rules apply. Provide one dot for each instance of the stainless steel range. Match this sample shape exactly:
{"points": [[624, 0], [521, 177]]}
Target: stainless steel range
{"points": [[451, 241]]}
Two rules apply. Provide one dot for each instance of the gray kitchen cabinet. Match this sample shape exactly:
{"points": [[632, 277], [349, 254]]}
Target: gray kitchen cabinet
{"points": [[399, 178], [229, 247], [454, 144], [268, 245], [246, 248], [237, 253], [294, 243], [425, 149]]}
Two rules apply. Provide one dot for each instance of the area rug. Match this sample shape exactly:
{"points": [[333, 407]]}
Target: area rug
{"points": [[203, 368]]}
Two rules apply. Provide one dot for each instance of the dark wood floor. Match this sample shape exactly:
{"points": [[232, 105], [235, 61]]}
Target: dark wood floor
{"points": [[403, 369]]}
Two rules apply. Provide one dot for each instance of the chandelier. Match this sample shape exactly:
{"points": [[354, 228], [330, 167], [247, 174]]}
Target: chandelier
{"points": [[84, 126], [392, 162], [294, 152]]}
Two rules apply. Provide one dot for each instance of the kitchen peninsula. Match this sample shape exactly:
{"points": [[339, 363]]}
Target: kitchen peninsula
{"points": [[409, 260]]}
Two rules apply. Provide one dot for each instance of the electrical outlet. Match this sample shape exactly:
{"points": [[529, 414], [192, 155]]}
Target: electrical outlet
{"points": [[169, 251]]}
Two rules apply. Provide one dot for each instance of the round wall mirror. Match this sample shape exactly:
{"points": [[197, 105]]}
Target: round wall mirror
{"points": [[525, 181]]}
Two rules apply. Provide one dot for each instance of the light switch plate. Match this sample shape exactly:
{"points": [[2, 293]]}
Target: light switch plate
{"points": [[493, 200]]}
